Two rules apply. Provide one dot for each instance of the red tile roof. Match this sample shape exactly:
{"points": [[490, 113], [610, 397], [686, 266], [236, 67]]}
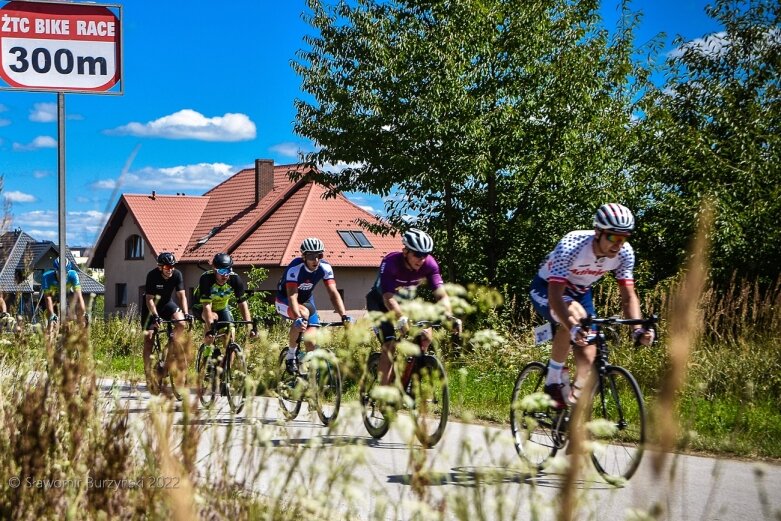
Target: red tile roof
{"points": [[226, 218], [166, 221]]}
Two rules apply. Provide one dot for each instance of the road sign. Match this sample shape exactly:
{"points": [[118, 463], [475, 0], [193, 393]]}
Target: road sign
{"points": [[59, 47]]}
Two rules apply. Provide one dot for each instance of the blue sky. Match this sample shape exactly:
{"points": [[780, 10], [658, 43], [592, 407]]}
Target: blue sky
{"points": [[208, 88]]}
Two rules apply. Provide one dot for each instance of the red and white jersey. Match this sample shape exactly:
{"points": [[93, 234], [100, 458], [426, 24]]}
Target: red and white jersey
{"points": [[574, 263]]}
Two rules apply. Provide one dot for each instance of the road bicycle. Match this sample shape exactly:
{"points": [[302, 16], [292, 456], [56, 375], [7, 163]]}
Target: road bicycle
{"points": [[222, 367], [320, 382], [424, 392], [161, 351], [540, 431]]}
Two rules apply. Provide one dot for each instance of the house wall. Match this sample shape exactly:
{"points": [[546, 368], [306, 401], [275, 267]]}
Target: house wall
{"points": [[353, 282], [120, 270]]}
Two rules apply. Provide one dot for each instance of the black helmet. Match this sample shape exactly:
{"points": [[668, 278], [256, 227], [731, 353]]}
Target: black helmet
{"points": [[166, 258], [221, 261]]}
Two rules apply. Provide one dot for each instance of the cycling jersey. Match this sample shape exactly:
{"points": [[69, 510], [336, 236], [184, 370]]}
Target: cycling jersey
{"points": [[296, 275], [574, 263], [218, 295], [397, 278], [51, 286]]}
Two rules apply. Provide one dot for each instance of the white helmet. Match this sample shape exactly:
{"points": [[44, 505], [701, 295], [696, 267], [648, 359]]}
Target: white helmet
{"points": [[312, 245], [417, 240], [614, 217]]}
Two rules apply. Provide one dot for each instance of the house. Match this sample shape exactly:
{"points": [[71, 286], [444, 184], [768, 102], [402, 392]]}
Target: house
{"points": [[258, 216], [22, 263]]}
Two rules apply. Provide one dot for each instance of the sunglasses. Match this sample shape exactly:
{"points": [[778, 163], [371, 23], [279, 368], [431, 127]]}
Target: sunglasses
{"points": [[223, 271], [616, 238], [313, 256], [418, 255], [167, 266]]}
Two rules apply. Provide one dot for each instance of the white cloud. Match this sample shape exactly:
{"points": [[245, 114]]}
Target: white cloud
{"points": [[44, 112], [36, 144], [715, 44], [192, 179], [339, 166], [40, 174], [287, 149], [83, 227], [189, 124], [20, 197]]}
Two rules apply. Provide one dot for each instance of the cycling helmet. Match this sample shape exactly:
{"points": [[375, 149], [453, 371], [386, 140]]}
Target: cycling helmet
{"points": [[417, 240], [614, 217], [166, 258], [312, 245], [222, 261], [68, 265]]}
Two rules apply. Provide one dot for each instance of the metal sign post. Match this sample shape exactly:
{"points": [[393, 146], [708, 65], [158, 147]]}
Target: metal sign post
{"points": [[56, 46]]}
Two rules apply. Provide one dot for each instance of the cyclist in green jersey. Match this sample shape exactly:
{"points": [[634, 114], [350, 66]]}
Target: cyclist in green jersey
{"points": [[216, 288]]}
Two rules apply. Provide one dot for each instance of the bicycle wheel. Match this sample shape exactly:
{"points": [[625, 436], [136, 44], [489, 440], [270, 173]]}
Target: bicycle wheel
{"points": [[290, 389], [174, 368], [432, 400], [621, 438], [373, 418], [207, 375], [326, 382], [235, 377], [532, 421]]}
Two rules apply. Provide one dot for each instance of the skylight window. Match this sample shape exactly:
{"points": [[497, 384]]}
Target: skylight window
{"points": [[355, 239]]}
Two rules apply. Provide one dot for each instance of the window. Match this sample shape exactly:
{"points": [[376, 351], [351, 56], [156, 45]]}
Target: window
{"points": [[121, 292], [355, 239], [134, 248]]}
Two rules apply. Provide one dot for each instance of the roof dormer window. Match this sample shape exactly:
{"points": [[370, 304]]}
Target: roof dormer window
{"points": [[355, 239]]}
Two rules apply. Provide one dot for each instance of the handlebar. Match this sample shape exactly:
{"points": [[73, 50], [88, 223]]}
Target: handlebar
{"points": [[647, 323]]}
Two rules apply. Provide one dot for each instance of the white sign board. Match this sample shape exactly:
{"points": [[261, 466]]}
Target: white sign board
{"points": [[59, 47]]}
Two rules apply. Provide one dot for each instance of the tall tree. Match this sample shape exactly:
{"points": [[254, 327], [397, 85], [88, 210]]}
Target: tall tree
{"points": [[496, 122], [716, 132]]}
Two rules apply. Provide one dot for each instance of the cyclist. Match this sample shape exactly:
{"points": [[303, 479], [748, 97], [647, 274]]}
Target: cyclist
{"points": [[400, 274], [295, 299], [561, 291], [216, 287], [161, 283], [50, 288]]}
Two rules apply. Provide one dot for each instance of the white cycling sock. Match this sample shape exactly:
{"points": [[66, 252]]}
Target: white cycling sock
{"points": [[554, 372], [291, 353]]}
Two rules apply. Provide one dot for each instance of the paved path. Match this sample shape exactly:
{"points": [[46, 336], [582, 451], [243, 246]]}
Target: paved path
{"points": [[473, 473]]}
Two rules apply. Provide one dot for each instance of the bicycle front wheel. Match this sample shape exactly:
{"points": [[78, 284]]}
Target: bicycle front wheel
{"points": [[290, 389], [235, 378], [377, 424], [532, 421], [432, 400], [326, 380], [617, 425], [207, 375]]}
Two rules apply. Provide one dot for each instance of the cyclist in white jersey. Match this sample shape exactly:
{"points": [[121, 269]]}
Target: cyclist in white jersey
{"points": [[562, 288]]}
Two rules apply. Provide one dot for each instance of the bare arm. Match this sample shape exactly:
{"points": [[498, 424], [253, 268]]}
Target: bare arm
{"points": [[392, 304], [336, 299], [181, 295]]}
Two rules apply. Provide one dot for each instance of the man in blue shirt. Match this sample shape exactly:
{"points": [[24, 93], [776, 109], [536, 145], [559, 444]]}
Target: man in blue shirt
{"points": [[295, 300], [50, 288]]}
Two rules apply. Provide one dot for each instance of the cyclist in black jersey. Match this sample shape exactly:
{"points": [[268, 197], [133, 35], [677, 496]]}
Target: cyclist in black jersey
{"points": [[161, 283], [216, 288]]}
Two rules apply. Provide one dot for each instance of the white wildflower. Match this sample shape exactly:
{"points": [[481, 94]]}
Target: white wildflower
{"points": [[406, 428], [407, 348], [487, 340], [602, 428]]}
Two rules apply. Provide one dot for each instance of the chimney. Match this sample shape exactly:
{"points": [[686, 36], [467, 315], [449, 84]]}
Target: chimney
{"points": [[264, 178]]}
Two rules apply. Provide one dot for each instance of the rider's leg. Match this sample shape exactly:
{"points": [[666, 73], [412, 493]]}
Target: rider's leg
{"points": [[385, 366], [292, 339], [178, 358], [149, 371]]}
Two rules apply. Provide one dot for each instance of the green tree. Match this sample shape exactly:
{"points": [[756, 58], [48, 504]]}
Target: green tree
{"points": [[500, 124], [715, 131]]}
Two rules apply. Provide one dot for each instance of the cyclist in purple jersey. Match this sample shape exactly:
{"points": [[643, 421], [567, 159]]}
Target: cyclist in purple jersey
{"points": [[562, 288], [398, 279]]}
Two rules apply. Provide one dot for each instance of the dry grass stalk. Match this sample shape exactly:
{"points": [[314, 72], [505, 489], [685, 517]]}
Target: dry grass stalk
{"points": [[683, 328]]}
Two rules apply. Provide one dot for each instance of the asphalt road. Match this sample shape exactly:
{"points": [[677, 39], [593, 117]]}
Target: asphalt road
{"points": [[473, 473]]}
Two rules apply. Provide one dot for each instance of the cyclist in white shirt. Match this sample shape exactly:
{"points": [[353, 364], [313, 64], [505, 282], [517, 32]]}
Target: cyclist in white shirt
{"points": [[561, 291]]}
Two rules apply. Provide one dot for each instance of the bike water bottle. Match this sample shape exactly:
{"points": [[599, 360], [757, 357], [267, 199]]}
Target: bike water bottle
{"points": [[566, 391]]}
